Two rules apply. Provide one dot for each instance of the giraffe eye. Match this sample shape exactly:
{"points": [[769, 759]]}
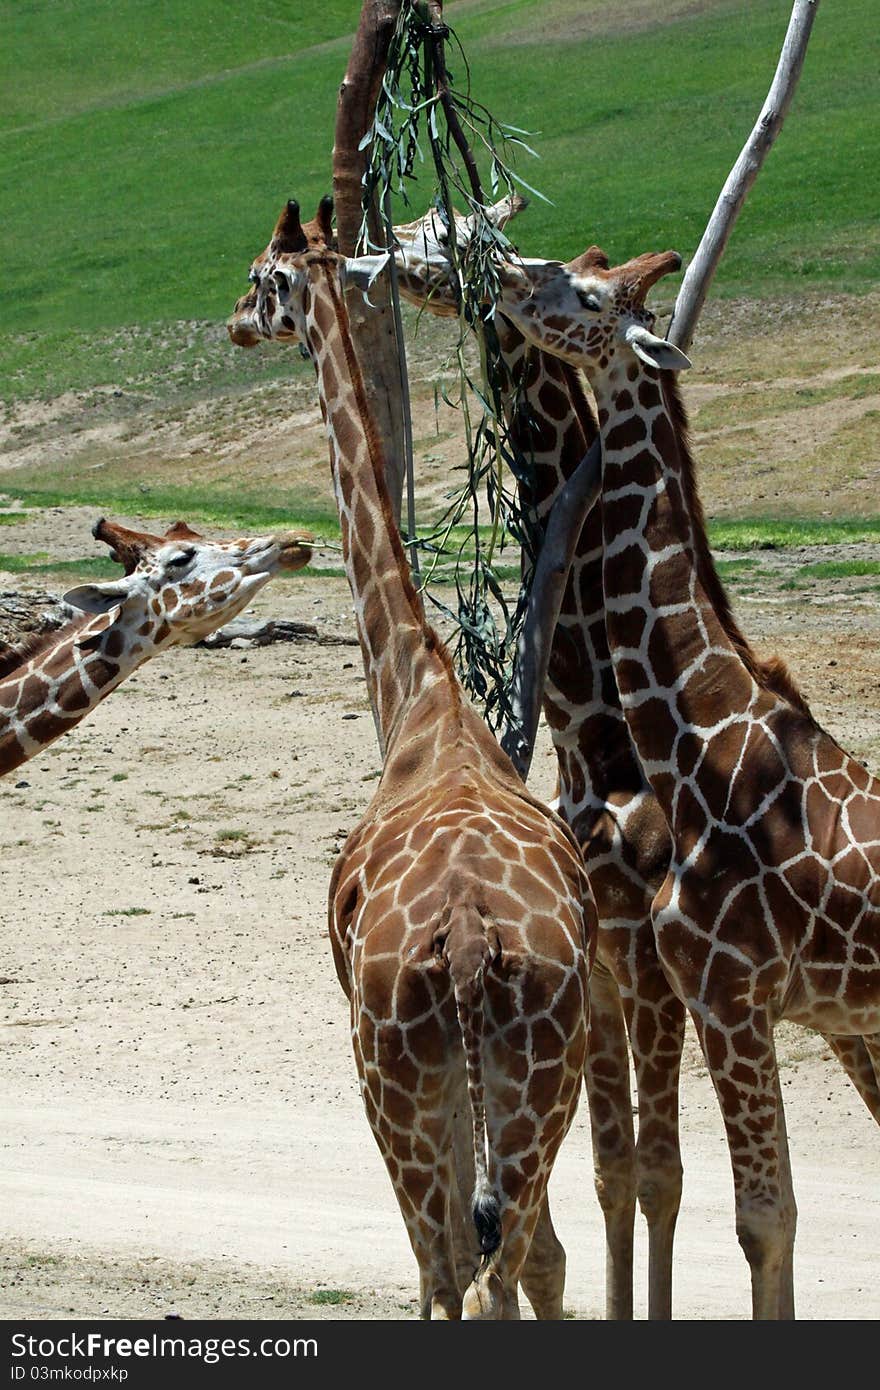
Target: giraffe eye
{"points": [[589, 301], [183, 558], [253, 276]]}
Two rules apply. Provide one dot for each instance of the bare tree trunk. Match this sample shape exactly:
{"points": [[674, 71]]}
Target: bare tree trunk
{"points": [[372, 325], [574, 502], [548, 589], [695, 285]]}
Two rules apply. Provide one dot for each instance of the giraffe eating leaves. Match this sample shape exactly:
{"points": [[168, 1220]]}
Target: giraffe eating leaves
{"points": [[771, 905]]}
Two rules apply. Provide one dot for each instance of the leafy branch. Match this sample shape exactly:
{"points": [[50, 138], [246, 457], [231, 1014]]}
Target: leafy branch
{"points": [[421, 113]]}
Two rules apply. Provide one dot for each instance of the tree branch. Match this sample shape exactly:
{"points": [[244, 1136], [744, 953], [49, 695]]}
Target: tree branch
{"points": [[372, 325], [695, 285], [545, 600], [438, 34]]}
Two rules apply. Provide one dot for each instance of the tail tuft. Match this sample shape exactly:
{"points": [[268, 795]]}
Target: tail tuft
{"points": [[487, 1219]]}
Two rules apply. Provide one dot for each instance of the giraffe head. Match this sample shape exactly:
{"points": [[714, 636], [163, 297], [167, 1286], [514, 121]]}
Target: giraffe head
{"points": [[277, 304], [421, 253], [589, 313], [179, 587], [255, 310]]}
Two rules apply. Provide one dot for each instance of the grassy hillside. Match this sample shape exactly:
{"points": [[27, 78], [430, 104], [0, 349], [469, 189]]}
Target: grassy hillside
{"points": [[146, 146]]}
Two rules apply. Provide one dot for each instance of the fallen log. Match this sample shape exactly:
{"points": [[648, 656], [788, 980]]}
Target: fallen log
{"points": [[242, 633]]}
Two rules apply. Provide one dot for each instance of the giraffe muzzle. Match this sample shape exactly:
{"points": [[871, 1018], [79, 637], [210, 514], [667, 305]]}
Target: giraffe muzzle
{"points": [[294, 552], [242, 331]]}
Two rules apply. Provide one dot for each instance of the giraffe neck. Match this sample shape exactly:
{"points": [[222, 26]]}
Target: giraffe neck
{"points": [[553, 425], [678, 672], [60, 679], [399, 649]]}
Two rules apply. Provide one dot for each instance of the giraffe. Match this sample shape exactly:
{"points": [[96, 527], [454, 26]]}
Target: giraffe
{"points": [[770, 907], [460, 919], [178, 588], [603, 795]]}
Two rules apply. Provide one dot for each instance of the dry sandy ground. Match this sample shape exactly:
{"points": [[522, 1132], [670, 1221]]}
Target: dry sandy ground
{"points": [[181, 1126]]}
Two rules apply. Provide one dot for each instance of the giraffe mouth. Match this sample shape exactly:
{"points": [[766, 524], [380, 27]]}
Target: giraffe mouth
{"points": [[294, 552], [289, 551], [243, 332]]}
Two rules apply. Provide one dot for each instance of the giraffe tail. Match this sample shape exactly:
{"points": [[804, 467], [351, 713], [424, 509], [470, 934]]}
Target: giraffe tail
{"points": [[470, 944]]}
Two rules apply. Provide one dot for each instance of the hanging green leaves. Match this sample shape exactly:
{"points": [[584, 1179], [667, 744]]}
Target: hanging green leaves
{"points": [[423, 117]]}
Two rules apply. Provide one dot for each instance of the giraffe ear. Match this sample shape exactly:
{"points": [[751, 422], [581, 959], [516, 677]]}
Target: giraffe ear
{"points": [[513, 277], [97, 598], [656, 351], [362, 271]]}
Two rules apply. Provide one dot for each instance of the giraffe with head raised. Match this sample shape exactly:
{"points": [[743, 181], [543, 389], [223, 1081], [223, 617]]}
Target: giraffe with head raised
{"points": [[602, 794], [460, 918], [178, 588], [771, 904], [606, 798]]}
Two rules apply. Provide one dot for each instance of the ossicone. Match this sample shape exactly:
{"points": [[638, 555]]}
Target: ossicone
{"points": [[644, 271], [593, 258], [289, 235]]}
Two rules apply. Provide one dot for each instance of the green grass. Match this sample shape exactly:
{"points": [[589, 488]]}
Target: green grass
{"points": [[226, 503], [737, 569], [184, 357], [835, 569], [12, 518], [331, 1297], [840, 569], [758, 401], [86, 568], [770, 534], [141, 179]]}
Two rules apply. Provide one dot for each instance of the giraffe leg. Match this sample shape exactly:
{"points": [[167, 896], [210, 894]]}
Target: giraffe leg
{"points": [[429, 1231], [786, 1289], [534, 1065], [416, 1142], [655, 1021], [855, 1056], [737, 1044], [543, 1274], [610, 1101], [467, 1249], [872, 1047]]}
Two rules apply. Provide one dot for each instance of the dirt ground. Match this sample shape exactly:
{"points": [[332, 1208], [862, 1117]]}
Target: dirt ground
{"points": [[181, 1125]]}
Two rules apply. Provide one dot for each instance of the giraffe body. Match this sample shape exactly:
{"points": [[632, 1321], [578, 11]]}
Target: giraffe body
{"points": [[771, 904], [460, 918], [453, 921]]}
